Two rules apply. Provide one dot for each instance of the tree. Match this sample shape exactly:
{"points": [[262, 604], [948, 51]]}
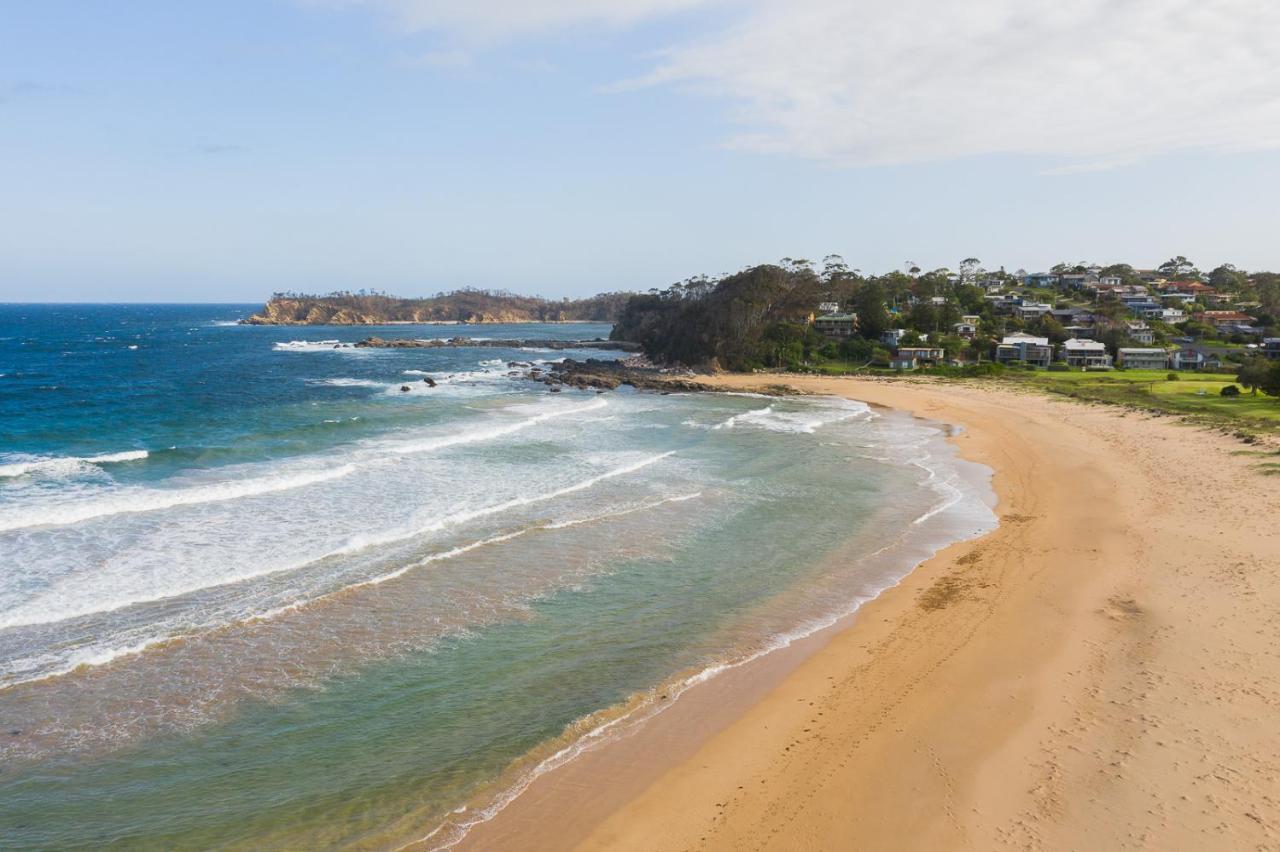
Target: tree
{"points": [[1178, 268], [1271, 383], [873, 319], [1253, 373], [970, 268]]}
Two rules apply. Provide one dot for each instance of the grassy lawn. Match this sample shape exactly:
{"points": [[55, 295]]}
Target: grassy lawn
{"points": [[1192, 394]]}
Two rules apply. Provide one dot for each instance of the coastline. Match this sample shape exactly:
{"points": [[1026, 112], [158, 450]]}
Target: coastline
{"points": [[1030, 688]]}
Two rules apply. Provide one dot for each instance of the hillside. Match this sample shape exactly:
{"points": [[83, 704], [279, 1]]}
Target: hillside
{"points": [[472, 306]]}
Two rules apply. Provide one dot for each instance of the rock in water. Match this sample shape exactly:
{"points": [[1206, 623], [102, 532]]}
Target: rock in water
{"points": [[404, 388], [429, 382]]}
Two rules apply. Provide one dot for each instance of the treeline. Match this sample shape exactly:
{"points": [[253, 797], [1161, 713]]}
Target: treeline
{"points": [[466, 305], [752, 318], [758, 317]]}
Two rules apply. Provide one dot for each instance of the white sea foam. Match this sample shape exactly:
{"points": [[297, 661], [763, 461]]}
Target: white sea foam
{"points": [[360, 542], [134, 500], [67, 464], [476, 435], [311, 345]]}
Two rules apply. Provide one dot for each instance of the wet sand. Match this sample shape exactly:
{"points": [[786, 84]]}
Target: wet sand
{"points": [[1101, 672]]}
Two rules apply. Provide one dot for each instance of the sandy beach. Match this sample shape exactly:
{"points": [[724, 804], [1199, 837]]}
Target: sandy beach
{"points": [[1101, 672]]}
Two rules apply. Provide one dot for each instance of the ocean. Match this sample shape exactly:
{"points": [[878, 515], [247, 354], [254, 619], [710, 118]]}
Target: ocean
{"points": [[255, 595]]}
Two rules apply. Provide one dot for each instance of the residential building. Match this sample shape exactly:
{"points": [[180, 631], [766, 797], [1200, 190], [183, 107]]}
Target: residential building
{"points": [[836, 325], [829, 308], [1187, 359], [892, 337], [1032, 310], [1040, 279], [1140, 331], [1132, 358], [1171, 316], [1085, 353], [922, 354], [1225, 320], [1025, 347], [1109, 281], [1271, 348], [967, 330]]}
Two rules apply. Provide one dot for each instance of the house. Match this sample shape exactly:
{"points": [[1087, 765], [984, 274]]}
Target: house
{"points": [[1195, 289], [1024, 347], [1032, 310], [1171, 316], [1132, 358], [1140, 331], [836, 325], [829, 308], [967, 330], [1077, 280], [1177, 298], [1109, 281], [1080, 331], [1187, 359], [1085, 353], [922, 354], [1224, 320], [1271, 348], [1040, 279], [892, 337]]}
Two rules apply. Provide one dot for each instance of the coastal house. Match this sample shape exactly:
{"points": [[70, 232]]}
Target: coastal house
{"points": [[829, 308], [1227, 322], [1270, 348], [1024, 347], [1187, 359], [967, 330], [1139, 331], [1040, 279], [836, 325], [1031, 310], [1110, 281], [1171, 316], [1134, 358], [922, 354], [892, 337], [1085, 353]]}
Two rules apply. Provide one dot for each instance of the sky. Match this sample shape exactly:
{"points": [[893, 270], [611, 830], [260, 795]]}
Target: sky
{"points": [[220, 151]]}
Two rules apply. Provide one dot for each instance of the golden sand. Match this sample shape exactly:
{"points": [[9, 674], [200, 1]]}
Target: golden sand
{"points": [[1101, 672]]}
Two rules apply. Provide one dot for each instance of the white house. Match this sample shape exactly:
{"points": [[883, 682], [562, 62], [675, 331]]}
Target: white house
{"points": [[892, 337], [1085, 353], [1132, 358], [1140, 331], [1025, 347]]}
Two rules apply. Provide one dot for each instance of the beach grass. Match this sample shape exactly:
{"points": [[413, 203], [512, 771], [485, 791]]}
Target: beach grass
{"points": [[1197, 395]]}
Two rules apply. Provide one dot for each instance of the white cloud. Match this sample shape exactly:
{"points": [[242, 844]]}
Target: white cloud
{"points": [[1094, 82]]}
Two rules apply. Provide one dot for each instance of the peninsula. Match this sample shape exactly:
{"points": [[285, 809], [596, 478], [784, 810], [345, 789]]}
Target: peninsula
{"points": [[459, 306]]}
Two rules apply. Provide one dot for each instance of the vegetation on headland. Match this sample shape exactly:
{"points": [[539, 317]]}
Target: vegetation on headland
{"points": [[468, 305], [762, 318]]}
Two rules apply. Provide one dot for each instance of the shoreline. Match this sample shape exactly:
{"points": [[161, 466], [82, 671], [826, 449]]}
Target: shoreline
{"points": [[680, 710], [975, 676]]}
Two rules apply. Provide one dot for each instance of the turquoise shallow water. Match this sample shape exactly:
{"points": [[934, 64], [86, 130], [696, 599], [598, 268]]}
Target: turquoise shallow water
{"points": [[321, 612]]}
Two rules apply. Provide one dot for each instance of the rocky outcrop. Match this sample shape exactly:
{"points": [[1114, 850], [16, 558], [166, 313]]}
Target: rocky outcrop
{"points": [[455, 342]]}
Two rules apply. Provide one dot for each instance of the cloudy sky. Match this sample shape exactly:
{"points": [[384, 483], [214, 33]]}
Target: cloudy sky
{"points": [[216, 151]]}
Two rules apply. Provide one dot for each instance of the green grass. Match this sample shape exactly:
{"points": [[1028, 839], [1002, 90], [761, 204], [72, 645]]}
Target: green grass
{"points": [[1193, 394]]}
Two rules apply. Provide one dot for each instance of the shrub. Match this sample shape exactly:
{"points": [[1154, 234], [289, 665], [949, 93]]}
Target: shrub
{"points": [[1173, 377], [1059, 368], [1230, 390]]}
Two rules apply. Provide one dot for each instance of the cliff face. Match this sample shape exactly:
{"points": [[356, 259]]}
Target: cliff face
{"points": [[469, 306]]}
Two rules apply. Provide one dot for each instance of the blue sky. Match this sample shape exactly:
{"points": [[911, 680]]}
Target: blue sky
{"points": [[220, 151]]}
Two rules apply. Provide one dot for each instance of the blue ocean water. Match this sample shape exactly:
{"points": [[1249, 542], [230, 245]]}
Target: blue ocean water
{"points": [[253, 593]]}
